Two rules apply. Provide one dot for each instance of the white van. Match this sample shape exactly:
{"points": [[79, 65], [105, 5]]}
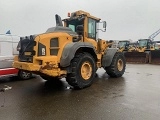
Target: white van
{"points": [[8, 48]]}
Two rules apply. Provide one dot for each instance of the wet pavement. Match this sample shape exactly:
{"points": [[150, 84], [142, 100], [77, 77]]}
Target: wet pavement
{"points": [[135, 96]]}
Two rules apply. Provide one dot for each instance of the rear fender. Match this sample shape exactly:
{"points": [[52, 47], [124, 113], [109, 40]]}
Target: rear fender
{"points": [[108, 56], [70, 50]]}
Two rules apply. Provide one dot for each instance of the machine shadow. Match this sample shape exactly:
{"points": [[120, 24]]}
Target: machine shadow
{"points": [[56, 85]]}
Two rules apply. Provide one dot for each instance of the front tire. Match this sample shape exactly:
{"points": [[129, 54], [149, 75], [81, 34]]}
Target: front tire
{"points": [[83, 69], [118, 65]]}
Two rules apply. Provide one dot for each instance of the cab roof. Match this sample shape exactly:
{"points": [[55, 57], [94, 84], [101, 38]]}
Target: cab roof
{"points": [[80, 12]]}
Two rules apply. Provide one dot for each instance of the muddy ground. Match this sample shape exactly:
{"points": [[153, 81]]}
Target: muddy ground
{"points": [[135, 96]]}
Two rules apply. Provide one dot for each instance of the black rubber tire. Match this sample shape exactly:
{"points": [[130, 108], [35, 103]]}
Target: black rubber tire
{"points": [[75, 78], [24, 75], [112, 70]]}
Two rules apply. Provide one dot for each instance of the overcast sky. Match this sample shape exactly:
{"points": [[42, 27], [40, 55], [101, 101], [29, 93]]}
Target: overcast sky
{"points": [[126, 19]]}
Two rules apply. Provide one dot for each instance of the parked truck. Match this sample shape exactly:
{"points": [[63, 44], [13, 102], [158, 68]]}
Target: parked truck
{"points": [[8, 49], [72, 50]]}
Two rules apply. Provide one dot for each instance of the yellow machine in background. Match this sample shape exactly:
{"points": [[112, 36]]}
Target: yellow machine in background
{"points": [[123, 45], [154, 56], [145, 51], [141, 53], [126, 47], [132, 47], [72, 51]]}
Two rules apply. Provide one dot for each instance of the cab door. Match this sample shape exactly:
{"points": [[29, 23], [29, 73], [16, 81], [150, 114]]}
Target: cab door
{"points": [[90, 31]]}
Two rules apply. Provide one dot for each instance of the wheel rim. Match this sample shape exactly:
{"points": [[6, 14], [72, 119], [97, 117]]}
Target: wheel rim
{"points": [[120, 65], [25, 75], [86, 70]]}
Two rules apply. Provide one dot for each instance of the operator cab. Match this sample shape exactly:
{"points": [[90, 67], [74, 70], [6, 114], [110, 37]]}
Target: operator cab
{"points": [[123, 44], [84, 24], [144, 43]]}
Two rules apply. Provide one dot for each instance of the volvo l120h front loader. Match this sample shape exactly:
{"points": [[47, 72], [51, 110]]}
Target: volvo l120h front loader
{"points": [[72, 50]]}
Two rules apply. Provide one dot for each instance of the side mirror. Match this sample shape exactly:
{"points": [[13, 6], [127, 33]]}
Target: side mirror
{"points": [[104, 24]]}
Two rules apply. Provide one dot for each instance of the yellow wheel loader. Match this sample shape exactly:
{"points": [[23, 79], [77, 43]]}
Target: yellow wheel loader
{"points": [[123, 45], [154, 56], [145, 51], [130, 49], [72, 50], [126, 47], [141, 52]]}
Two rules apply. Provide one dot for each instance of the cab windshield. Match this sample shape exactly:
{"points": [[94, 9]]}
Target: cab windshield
{"points": [[74, 23], [122, 44], [142, 43]]}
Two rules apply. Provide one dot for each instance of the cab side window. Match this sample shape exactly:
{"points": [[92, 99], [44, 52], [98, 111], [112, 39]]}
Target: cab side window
{"points": [[72, 27], [91, 28]]}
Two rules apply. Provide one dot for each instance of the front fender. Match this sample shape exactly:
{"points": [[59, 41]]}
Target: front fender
{"points": [[108, 56], [70, 50]]}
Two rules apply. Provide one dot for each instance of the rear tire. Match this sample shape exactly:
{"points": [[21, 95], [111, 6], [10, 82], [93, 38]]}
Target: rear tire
{"points": [[118, 65], [24, 75], [83, 69]]}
